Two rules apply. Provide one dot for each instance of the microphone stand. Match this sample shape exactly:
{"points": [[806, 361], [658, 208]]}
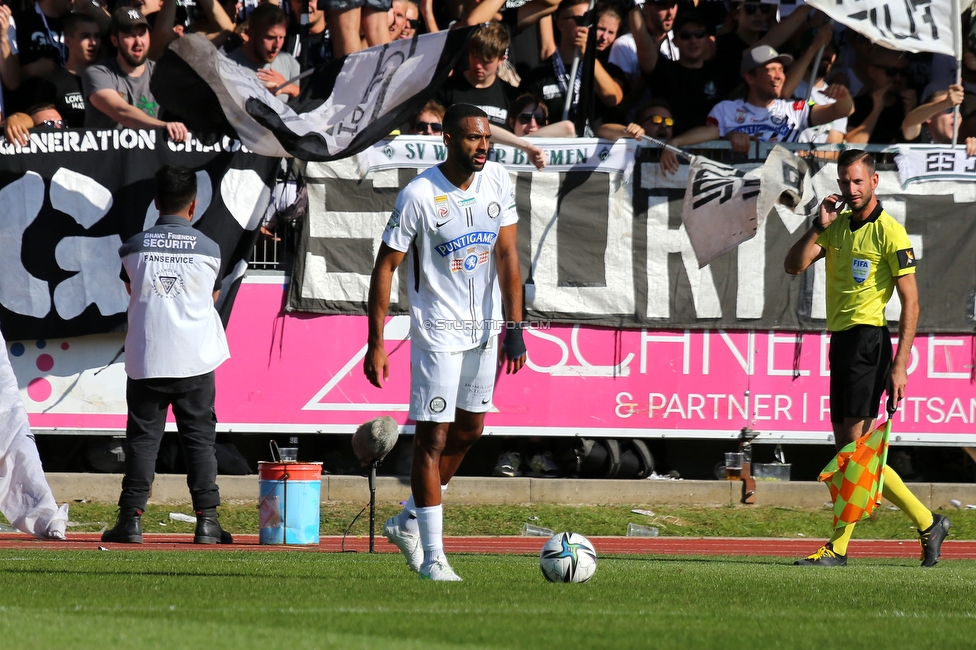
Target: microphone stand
{"points": [[372, 503]]}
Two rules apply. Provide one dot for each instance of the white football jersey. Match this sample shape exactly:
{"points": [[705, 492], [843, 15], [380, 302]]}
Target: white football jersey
{"points": [[818, 134], [449, 236], [781, 122]]}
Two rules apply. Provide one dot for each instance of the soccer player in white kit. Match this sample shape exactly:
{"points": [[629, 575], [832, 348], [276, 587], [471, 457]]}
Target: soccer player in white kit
{"points": [[457, 225]]}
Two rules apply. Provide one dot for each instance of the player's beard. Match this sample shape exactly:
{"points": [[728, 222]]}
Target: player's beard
{"points": [[862, 201], [465, 160], [132, 59]]}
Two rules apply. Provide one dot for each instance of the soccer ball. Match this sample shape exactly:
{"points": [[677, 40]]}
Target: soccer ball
{"points": [[568, 557]]}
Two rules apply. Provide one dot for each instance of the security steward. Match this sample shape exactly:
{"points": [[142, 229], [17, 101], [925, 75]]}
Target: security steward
{"points": [[174, 343]]}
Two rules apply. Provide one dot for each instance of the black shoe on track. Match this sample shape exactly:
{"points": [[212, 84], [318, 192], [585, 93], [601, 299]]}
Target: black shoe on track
{"points": [[127, 530], [208, 529], [824, 556], [931, 539]]}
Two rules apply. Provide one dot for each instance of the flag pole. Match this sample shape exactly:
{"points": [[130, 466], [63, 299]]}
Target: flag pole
{"points": [[664, 145], [957, 41], [572, 74], [891, 408], [307, 73], [813, 74]]}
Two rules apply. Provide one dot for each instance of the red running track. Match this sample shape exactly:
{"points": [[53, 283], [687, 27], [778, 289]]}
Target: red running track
{"points": [[730, 546]]}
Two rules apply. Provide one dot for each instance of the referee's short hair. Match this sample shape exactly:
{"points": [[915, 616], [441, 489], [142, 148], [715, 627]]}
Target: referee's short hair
{"points": [[850, 157], [458, 112], [176, 187]]}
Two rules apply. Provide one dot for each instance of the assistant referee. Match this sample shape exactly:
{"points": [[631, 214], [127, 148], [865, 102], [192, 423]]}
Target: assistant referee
{"points": [[868, 256]]}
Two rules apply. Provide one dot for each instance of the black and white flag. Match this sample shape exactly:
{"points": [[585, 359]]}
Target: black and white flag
{"points": [[719, 210], [71, 198], [345, 106], [787, 180], [725, 206], [909, 25]]}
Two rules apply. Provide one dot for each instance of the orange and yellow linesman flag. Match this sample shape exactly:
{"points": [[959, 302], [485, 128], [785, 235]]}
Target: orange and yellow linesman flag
{"points": [[855, 476]]}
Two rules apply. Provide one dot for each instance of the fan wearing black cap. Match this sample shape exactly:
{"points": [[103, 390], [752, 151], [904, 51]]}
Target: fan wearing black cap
{"points": [[117, 90], [763, 115]]}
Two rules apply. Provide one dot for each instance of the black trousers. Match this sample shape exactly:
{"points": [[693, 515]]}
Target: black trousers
{"points": [[148, 400]]}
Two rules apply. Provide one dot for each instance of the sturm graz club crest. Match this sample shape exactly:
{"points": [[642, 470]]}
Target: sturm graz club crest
{"points": [[438, 404], [494, 210]]}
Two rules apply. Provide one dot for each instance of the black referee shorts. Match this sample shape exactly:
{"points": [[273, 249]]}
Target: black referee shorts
{"points": [[860, 363]]}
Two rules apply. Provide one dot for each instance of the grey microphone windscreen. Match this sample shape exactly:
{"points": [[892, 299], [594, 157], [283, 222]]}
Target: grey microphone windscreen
{"points": [[374, 439]]}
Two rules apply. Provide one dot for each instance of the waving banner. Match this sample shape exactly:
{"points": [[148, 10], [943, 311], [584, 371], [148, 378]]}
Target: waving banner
{"points": [[912, 26], [345, 106], [719, 210]]}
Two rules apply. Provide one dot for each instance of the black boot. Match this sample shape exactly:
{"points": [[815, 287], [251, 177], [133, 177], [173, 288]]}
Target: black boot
{"points": [[208, 529], [128, 528]]}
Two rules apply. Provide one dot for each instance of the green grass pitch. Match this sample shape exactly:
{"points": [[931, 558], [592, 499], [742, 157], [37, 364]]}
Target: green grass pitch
{"points": [[235, 599]]}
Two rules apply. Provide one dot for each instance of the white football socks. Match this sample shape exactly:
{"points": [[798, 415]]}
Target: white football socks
{"points": [[431, 523], [408, 517]]}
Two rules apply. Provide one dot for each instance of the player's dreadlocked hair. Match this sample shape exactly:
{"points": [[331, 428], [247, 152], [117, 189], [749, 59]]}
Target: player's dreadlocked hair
{"points": [[458, 112]]}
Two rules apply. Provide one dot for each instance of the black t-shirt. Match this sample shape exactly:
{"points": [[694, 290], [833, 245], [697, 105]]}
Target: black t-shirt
{"points": [[541, 81], [35, 41], [690, 92], [319, 47], [888, 127], [64, 90], [524, 49], [728, 56], [493, 100]]}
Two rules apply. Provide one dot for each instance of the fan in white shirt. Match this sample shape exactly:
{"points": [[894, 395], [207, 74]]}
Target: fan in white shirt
{"points": [[763, 115]]}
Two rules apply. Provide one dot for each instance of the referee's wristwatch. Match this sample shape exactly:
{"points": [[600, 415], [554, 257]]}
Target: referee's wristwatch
{"points": [[817, 225]]}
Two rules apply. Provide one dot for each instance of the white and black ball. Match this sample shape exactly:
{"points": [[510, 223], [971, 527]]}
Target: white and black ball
{"points": [[568, 557]]}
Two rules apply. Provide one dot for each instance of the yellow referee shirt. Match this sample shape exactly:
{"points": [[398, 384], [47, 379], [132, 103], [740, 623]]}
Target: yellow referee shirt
{"points": [[862, 266]]}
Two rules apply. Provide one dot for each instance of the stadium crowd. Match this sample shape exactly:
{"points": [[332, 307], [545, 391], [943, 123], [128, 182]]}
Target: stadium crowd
{"points": [[686, 71]]}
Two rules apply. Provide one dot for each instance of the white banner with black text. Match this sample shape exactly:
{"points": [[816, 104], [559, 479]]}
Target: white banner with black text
{"points": [[909, 25], [597, 249]]}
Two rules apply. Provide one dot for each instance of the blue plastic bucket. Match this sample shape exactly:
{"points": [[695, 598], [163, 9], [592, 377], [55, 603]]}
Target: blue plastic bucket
{"points": [[288, 505]]}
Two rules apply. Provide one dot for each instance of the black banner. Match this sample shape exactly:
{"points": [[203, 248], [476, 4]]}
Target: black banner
{"points": [[71, 198]]}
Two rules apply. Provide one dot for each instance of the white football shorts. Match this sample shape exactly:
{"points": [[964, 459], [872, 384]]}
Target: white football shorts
{"points": [[440, 382]]}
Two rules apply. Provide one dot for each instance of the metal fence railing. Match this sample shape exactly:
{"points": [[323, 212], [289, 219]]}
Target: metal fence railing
{"points": [[274, 249]]}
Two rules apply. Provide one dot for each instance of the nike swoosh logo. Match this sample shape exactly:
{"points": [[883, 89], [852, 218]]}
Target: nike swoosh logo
{"points": [[485, 401], [443, 222]]}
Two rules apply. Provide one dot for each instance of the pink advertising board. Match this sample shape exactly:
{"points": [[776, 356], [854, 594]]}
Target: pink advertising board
{"points": [[303, 374]]}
